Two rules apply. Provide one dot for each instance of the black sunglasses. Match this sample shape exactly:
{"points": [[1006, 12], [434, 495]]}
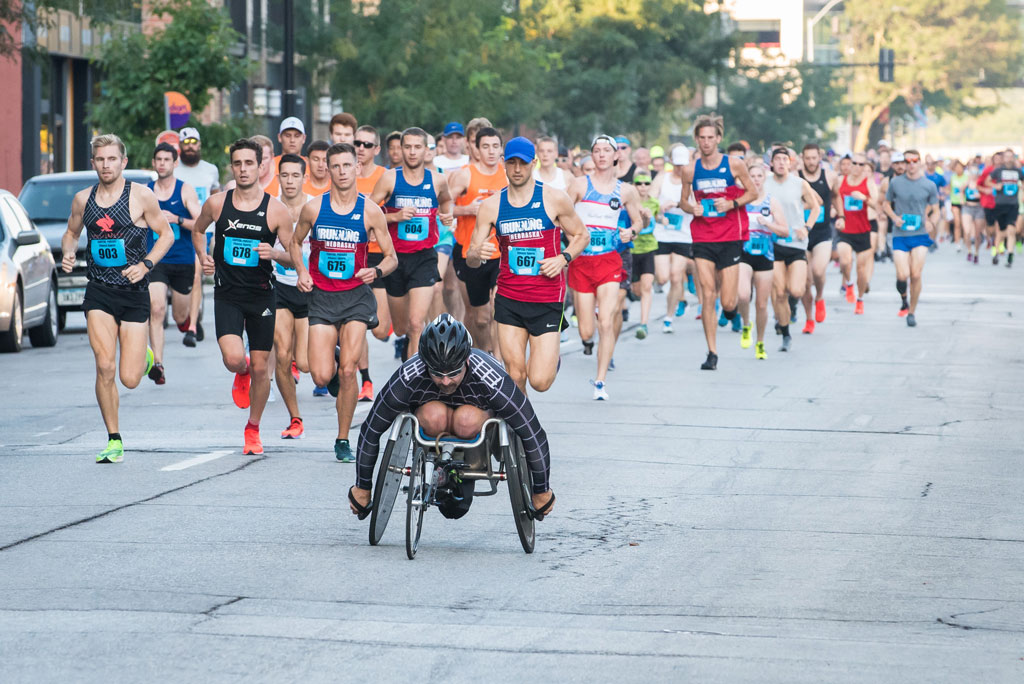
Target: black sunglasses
{"points": [[447, 376], [365, 145], [641, 182], [860, 163]]}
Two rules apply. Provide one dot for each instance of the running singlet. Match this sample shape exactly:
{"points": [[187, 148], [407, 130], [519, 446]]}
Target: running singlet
{"points": [[114, 241], [181, 251], [600, 214], [957, 185], [678, 228], [365, 186], [789, 193], [526, 237], [821, 187], [855, 210], [337, 246], [419, 232], [761, 241], [486, 386], [286, 275], [709, 185], [481, 186], [237, 235], [1010, 192], [559, 183], [987, 201]]}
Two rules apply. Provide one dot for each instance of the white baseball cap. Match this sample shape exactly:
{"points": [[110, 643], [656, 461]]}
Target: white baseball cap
{"points": [[680, 156], [897, 157], [883, 143], [292, 122], [189, 132]]}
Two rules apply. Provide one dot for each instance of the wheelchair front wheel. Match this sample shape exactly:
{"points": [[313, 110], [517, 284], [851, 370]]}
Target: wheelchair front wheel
{"points": [[416, 503], [518, 473], [389, 480]]}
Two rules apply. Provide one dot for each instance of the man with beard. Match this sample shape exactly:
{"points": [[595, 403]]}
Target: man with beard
{"points": [[819, 242], [205, 178]]}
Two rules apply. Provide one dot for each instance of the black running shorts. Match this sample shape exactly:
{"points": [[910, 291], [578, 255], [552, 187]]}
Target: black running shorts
{"points": [[721, 254], [255, 316], [178, 277], [126, 306]]}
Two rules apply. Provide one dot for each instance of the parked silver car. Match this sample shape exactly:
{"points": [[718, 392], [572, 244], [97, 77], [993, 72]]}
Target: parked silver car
{"points": [[28, 280], [47, 199]]}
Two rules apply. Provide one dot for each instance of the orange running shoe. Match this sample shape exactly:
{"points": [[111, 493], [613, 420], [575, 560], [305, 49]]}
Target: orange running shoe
{"points": [[294, 429], [903, 312], [808, 327], [849, 294], [819, 312], [253, 445], [366, 393], [295, 372], [859, 309], [240, 388]]}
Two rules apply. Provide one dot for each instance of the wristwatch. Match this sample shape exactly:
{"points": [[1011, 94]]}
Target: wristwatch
{"points": [[148, 264], [380, 273], [566, 256]]}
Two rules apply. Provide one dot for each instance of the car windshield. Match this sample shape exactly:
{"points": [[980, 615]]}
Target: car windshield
{"points": [[51, 201]]}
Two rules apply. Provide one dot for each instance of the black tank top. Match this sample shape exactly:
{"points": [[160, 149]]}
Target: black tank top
{"points": [[237, 235], [114, 241], [821, 187]]}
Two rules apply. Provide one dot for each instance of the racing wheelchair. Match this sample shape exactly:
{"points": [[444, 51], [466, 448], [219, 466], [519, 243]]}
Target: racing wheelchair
{"points": [[430, 464]]}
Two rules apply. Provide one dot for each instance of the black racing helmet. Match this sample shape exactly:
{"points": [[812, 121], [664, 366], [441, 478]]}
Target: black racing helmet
{"points": [[444, 345]]}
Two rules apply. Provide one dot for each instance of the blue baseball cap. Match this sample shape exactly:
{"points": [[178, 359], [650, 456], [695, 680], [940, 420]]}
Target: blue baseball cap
{"points": [[623, 140], [453, 128], [520, 148]]}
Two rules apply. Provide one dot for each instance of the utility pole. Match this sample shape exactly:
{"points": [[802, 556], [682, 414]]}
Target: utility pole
{"points": [[288, 92]]}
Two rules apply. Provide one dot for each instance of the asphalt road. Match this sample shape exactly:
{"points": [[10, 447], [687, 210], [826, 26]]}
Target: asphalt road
{"points": [[851, 511]]}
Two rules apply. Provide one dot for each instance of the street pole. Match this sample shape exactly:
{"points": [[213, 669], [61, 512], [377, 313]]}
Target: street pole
{"points": [[811, 23], [288, 92]]}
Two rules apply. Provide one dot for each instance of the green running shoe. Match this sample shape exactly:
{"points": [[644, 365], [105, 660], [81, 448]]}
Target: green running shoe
{"points": [[114, 453], [150, 360], [343, 452]]}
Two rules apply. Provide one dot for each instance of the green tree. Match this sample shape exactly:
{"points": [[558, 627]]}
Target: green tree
{"points": [[432, 61], [944, 49], [189, 55], [625, 67], [765, 105], [18, 14]]}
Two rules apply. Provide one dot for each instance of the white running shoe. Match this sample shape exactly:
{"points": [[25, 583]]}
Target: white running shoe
{"points": [[599, 392], [666, 326]]}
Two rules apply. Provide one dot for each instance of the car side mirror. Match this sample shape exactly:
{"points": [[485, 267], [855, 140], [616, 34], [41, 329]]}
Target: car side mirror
{"points": [[27, 237]]}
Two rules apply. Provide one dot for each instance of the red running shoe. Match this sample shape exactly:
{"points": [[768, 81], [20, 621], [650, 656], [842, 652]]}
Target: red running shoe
{"points": [[294, 430], [808, 327], [849, 294], [859, 309], [903, 312], [366, 393], [253, 445], [240, 388], [819, 311]]}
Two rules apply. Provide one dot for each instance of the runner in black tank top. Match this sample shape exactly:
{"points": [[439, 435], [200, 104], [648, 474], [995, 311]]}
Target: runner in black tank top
{"points": [[236, 238], [116, 301], [819, 239], [244, 295]]}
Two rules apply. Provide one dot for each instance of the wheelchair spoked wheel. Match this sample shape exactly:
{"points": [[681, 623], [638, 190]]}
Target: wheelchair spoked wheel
{"points": [[389, 481], [419, 489], [518, 474]]}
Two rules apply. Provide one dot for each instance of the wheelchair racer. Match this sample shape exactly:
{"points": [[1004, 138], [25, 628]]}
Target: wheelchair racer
{"points": [[452, 388]]}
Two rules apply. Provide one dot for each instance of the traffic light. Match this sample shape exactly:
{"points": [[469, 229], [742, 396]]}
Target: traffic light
{"points": [[885, 65]]}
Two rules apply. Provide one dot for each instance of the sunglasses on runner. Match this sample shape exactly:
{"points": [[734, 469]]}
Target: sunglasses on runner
{"points": [[912, 160], [641, 182], [190, 141], [623, 147], [364, 144], [860, 163]]}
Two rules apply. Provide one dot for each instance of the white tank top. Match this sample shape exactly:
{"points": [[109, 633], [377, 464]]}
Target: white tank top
{"points": [[285, 275], [678, 229], [559, 183]]}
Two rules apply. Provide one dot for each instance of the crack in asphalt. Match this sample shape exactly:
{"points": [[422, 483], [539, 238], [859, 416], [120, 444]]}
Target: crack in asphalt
{"points": [[110, 511]]}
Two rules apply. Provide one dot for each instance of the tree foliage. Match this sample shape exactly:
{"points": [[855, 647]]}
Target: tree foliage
{"points": [[783, 104], [18, 14], [623, 66], [188, 55], [944, 49]]}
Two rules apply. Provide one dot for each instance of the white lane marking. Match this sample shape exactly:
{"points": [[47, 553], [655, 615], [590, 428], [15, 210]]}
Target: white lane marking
{"points": [[204, 458], [40, 434]]}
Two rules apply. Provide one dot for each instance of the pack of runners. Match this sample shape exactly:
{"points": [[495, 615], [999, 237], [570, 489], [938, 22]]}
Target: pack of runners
{"points": [[307, 253]]}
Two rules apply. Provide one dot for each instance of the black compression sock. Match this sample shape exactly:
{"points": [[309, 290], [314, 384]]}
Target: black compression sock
{"points": [[901, 287], [785, 330], [364, 373], [114, 435], [729, 314]]}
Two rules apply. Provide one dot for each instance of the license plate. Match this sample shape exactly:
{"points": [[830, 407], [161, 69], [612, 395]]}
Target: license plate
{"points": [[71, 297]]}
